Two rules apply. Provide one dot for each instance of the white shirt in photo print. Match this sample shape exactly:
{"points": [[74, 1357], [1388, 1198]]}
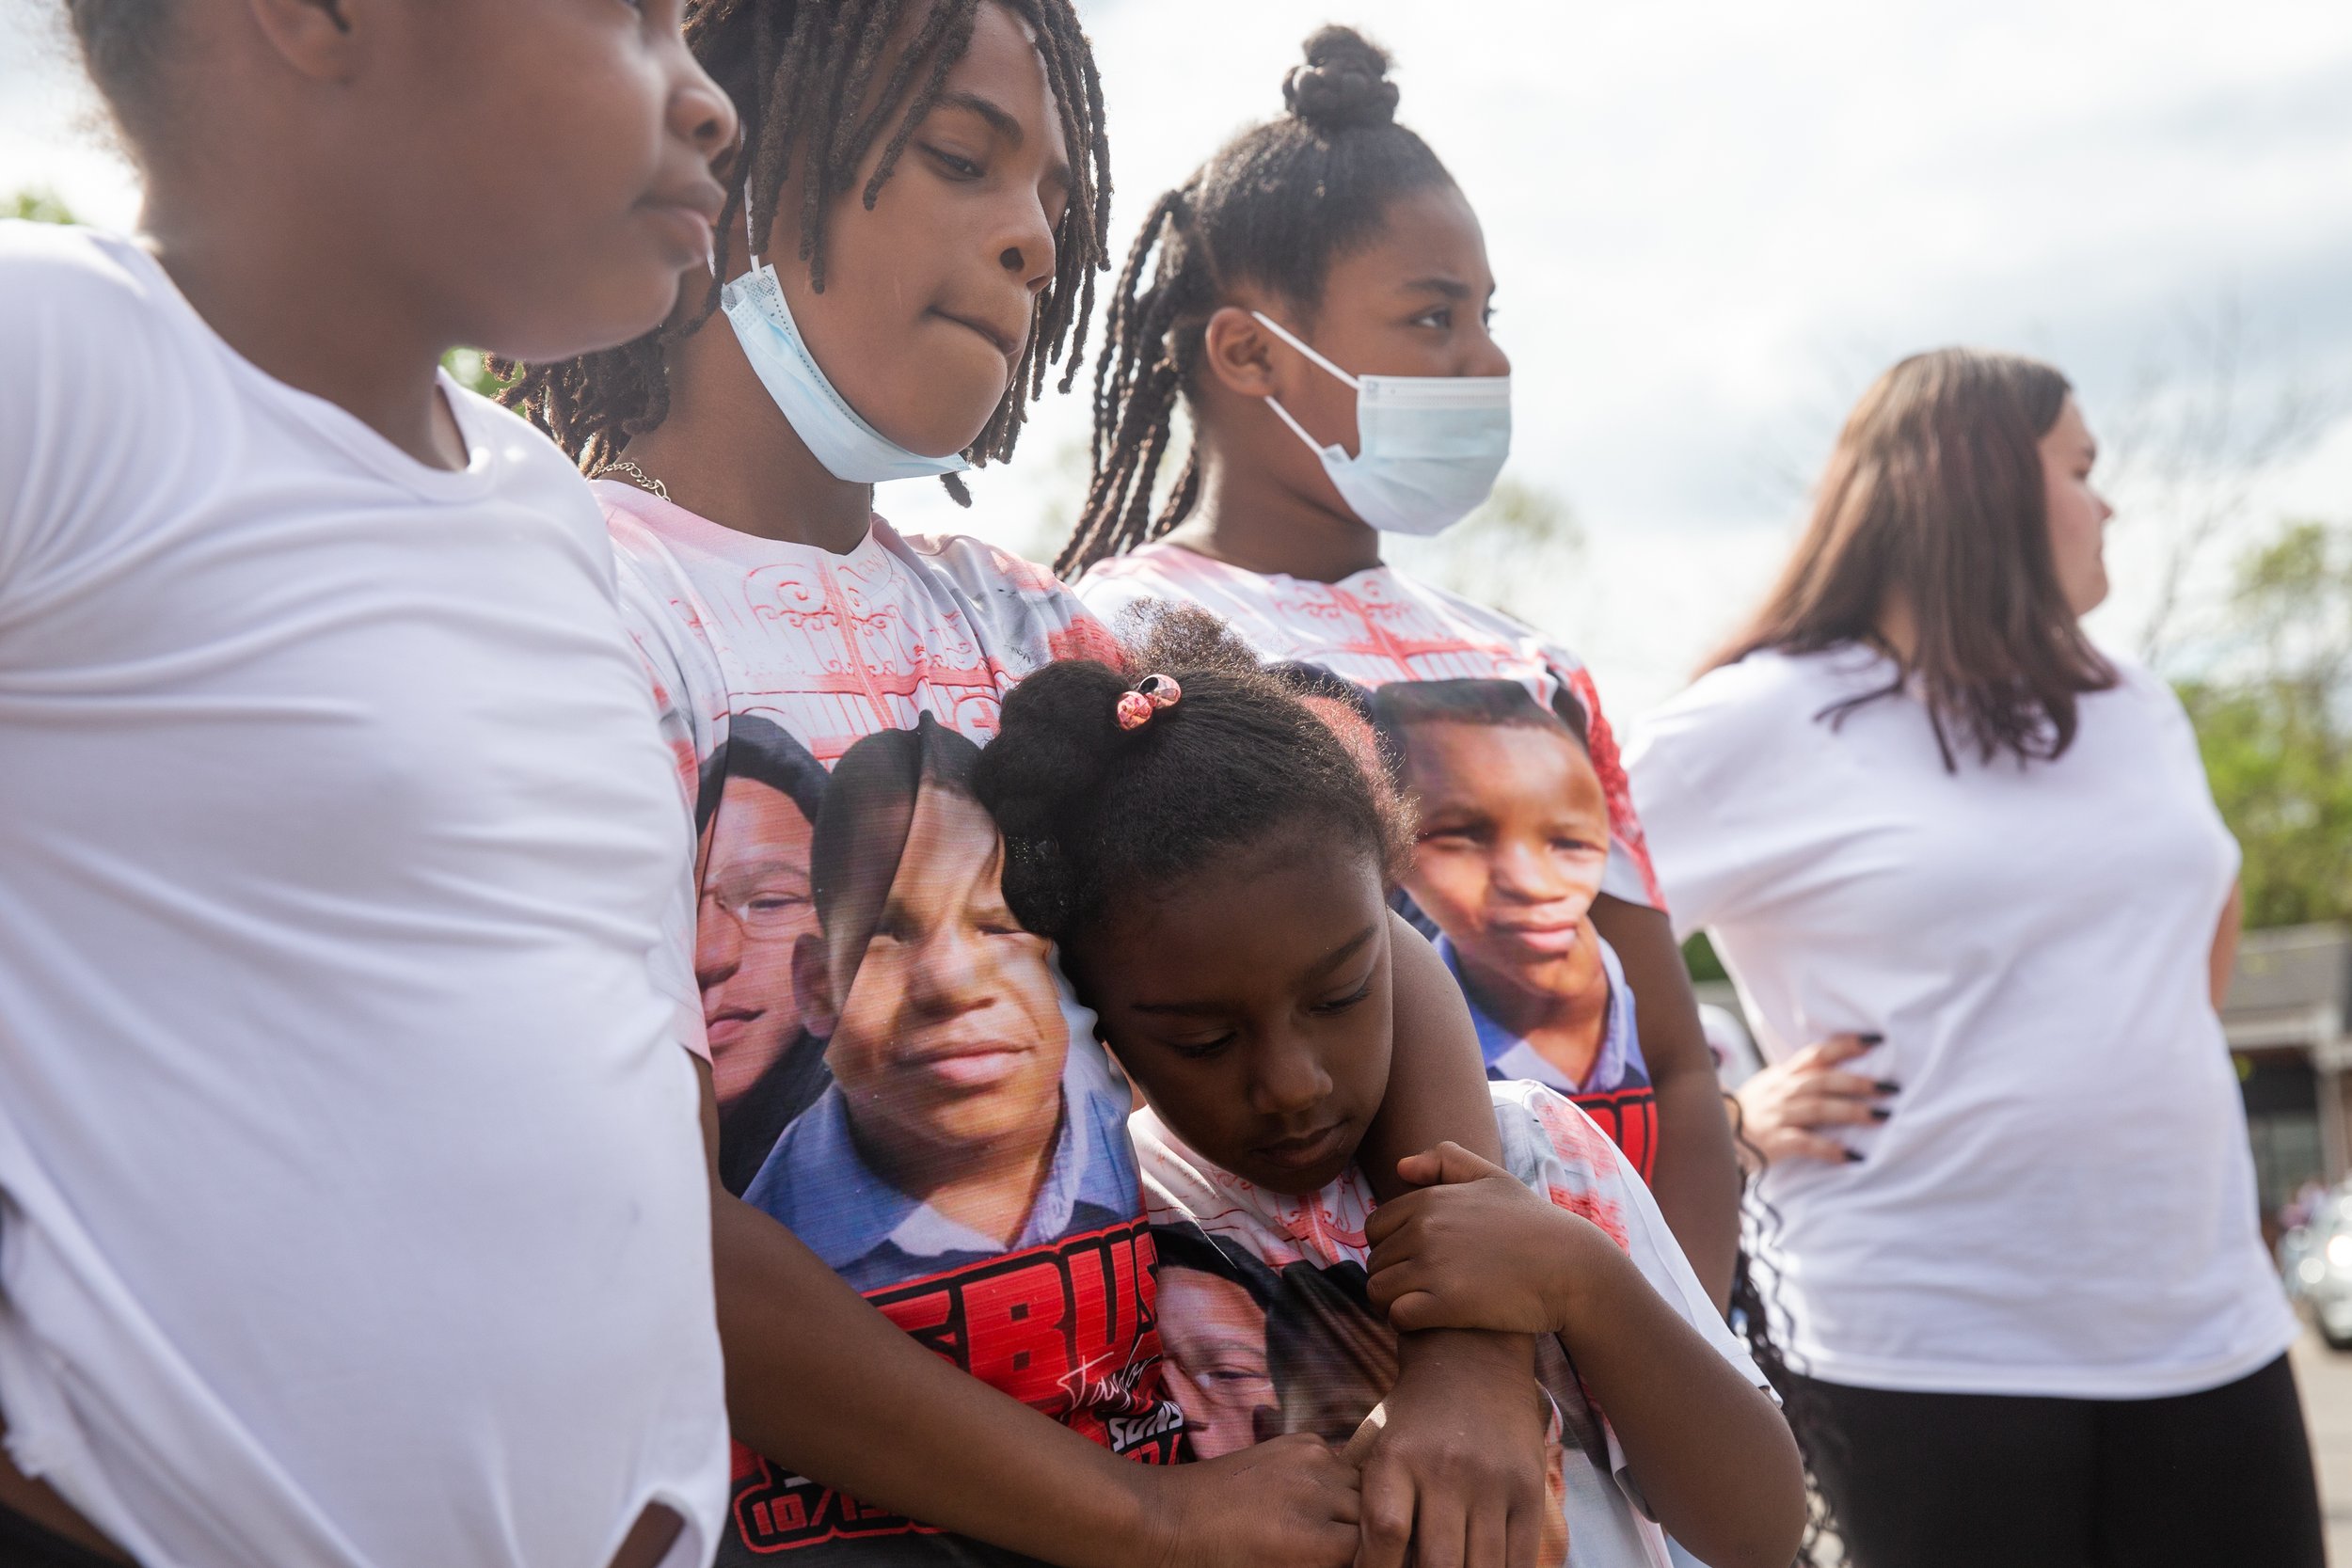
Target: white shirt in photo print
{"points": [[353, 1208], [2063, 1201], [1377, 627], [1284, 1324]]}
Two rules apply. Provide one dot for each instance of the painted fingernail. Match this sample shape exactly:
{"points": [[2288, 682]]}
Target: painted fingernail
{"points": [[1871, 1039], [1887, 1085], [1854, 1156], [1879, 1112]]}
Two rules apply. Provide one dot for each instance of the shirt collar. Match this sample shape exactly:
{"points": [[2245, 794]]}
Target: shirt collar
{"points": [[1511, 1057]]}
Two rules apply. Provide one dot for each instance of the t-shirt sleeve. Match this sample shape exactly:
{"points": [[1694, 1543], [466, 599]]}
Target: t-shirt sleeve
{"points": [[1563, 1157], [92, 356], [680, 674], [1629, 874]]}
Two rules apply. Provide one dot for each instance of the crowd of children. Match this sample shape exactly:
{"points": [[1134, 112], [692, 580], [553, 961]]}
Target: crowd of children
{"points": [[1186, 1039]]}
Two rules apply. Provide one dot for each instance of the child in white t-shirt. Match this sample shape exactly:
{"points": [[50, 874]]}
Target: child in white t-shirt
{"points": [[355, 1212], [1316, 297], [1214, 863]]}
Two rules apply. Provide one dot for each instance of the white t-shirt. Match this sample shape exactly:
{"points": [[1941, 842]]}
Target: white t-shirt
{"points": [[1377, 627], [2063, 1201], [1271, 1327], [352, 1204]]}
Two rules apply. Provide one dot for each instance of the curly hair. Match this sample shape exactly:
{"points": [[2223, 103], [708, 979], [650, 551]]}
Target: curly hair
{"points": [[1273, 208], [818, 87], [1095, 815]]}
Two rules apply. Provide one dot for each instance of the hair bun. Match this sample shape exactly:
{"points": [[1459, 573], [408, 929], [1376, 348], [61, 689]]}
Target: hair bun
{"points": [[1343, 85]]}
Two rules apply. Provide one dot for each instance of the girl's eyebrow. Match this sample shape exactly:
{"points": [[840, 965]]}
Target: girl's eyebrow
{"points": [[1344, 952], [1321, 966], [1447, 288]]}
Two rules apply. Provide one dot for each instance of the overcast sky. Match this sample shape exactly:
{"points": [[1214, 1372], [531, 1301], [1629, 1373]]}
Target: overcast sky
{"points": [[1713, 221]]}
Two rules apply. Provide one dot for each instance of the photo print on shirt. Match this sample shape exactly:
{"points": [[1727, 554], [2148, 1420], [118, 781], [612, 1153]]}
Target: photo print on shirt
{"points": [[903, 1077], [966, 1163], [1512, 846]]}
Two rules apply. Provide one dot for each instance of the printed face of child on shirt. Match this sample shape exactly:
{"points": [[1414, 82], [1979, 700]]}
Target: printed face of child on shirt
{"points": [[948, 1040], [1514, 840], [1213, 1333], [755, 908]]}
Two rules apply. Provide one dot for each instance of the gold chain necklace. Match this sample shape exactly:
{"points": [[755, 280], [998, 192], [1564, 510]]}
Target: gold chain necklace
{"points": [[643, 480]]}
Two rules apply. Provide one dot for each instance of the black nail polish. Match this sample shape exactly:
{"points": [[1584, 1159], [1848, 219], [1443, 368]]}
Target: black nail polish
{"points": [[1871, 1039], [1854, 1156], [1879, 1112], [1887, 1085]]}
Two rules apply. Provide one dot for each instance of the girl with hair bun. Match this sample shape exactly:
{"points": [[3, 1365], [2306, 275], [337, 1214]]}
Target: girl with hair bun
{"points": [[1213, 859], [1316, 296]]}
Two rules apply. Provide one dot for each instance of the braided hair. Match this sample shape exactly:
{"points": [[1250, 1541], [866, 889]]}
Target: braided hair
{"points": [[801, 73], [1272, 208], [1093, 813]]}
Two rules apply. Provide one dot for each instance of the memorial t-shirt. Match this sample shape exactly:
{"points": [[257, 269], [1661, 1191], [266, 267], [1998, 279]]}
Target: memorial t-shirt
{"points": [[1614, 1090], [1380, 627], [904, 1078], [1269, 1329]]}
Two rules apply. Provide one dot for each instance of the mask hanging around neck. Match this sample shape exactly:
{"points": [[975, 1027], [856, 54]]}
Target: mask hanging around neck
{"points": [[850, 447]]}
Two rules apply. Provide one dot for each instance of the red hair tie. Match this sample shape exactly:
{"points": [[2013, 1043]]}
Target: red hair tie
{"points": [[1150, 694]]}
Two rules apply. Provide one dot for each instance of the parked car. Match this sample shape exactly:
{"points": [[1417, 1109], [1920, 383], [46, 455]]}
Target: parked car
{"points": [[2315, 1259]]}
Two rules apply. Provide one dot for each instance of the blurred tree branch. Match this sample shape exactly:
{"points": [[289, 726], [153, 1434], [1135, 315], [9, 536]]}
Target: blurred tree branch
{"points": [[2275, 724]]}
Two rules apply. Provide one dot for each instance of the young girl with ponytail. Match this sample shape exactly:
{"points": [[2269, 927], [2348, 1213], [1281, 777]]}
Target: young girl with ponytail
{"points": [[1214, 861], [908, 242], [1316, 296]]}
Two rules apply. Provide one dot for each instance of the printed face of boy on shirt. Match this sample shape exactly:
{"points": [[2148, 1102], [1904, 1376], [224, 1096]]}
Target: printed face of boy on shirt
{"points": [[1514, 841], [947, 1041], [1212, 1334], [755, 908]]}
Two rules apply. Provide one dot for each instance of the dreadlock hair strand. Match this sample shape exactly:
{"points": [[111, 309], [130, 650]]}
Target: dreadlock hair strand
{"points": [[819, 84], [1273, 208]]}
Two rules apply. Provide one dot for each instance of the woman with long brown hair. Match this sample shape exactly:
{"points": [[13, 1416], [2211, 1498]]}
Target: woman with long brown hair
{"points": [[1964, 864]]}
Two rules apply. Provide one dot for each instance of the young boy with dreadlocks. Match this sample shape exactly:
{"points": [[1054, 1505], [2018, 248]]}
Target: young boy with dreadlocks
{"points": [[909, 243], [1316, 295]]}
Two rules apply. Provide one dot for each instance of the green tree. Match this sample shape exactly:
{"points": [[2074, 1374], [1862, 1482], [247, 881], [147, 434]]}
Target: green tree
{"points": [[36, 206], [2275, 724]]}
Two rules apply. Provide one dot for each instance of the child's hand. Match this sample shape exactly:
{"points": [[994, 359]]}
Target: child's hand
{"points": [[1289, 1502], [1475, 1249], [1453, 1459]]}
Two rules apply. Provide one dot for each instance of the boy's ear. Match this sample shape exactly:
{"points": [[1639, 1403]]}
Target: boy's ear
{"points": [[318, 38], [1240, 353], [812, 984]]}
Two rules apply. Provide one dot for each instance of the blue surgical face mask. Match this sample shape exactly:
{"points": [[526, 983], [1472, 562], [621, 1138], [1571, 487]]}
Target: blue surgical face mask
{"points": [[1428, 447], [842, 441]]}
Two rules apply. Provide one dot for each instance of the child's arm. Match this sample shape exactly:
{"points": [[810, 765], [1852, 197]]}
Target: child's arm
{"points": [[822, 1383], [1713, 1457], [1696, 1178], [1458, 1471]]}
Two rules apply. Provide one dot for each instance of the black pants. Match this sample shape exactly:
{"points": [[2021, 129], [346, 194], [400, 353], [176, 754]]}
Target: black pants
{"points": [[26, 1544], [2215, 1480]]}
